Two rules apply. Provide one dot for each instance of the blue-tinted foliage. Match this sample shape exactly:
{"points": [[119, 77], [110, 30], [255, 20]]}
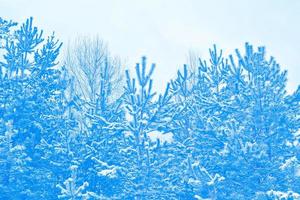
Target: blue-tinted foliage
{"points": [[226, 130]]}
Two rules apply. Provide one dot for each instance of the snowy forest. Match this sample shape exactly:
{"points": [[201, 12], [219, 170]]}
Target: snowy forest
{"points": [[81, 126]]}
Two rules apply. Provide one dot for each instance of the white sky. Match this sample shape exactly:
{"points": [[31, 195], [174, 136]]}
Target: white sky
{"points": [[166, 30]]}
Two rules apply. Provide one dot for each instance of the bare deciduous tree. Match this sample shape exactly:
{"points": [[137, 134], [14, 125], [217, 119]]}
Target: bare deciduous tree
{"points": [[97, 74]]}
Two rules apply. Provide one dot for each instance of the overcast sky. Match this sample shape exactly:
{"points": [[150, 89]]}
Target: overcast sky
{"points": [[166, 30]]}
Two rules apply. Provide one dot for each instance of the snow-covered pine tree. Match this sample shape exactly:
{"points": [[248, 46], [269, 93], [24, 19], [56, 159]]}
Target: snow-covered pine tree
{"points": [[146, 118], [226, 131], [31, 101], [245, 125]]}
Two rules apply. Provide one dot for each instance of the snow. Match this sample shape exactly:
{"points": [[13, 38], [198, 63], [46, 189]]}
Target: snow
{"points": [[288, 163], [51, 135], [194, 182], [18, 148], [162, 137], [197, 197], [283, 195], [73, 167], [297, 170], [110, 173], [215, 179]]}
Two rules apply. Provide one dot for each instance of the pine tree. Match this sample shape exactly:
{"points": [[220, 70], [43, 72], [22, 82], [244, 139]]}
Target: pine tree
{"points": [[244, 124], [225, 130], [32, 104]]}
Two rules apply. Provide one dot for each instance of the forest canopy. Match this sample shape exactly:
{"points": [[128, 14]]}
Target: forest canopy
{"points": [[81, 127]]}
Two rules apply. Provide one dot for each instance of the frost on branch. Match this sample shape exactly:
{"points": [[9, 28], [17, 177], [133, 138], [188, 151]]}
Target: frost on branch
{"points": [[278, 195], [71, 191]]}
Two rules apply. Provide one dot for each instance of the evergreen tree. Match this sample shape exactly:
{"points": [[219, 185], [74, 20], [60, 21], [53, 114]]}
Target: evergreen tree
{"points": [[32, 106], [244, 124], [225, 130]]}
